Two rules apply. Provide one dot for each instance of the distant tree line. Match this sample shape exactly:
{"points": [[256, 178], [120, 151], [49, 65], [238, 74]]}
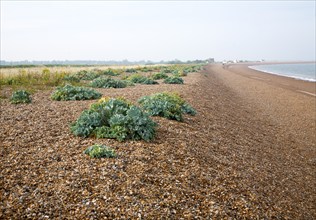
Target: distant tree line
{"points": [[27, 63]]}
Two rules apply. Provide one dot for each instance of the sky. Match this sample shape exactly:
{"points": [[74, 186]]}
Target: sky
{"points": [[158, 30]]}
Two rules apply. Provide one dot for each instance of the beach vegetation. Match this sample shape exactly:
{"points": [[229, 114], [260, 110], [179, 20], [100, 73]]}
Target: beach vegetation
{"points": [[69, 92], [167, 105], [109, 83], [137, 78], [173, 80], [131, 70], [114, 118], [109, 72], [100, 151], [86, 75], [21, 96], [160, 75], [71, 78]]}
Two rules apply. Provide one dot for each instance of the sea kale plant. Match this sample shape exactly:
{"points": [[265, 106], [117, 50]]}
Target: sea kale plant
{"points": [[131, 70], [87, 75], [167, 105], [99, 151], [160, 75], [109, 72], [114, 118], [108, 83], [69, 92], [136, 78], [173, 80], [20, 96], [71, 78]]}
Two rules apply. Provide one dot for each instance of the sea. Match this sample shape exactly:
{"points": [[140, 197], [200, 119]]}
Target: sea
{"points": [[302, 71]]}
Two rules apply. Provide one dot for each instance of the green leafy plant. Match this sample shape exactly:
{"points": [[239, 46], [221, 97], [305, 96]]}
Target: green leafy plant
{"points": [[167, 105], [166, 69], [160, 75], [114, 118], [69, 92], [136, 78], [86, 75], [109, 72], [173, 80], [71, 78], [99, 151], [180, 73], [149, 81], [144, 69], [175, 72], [108, 83], [20, 96], [131, 70], [188, 109]]}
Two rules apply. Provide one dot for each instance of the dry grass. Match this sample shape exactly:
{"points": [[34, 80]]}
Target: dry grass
{"points": [[67, 69]]}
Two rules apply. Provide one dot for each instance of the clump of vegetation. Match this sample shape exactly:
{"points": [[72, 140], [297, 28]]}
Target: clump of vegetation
{"points": [[173, 80], [145, 69], [71, 78], [175, 72], [149, 81], [90, 75], [167, 105], [69, 92], [114, 118], [99, 151], [131, 70], [109, 72], [136, 78], [108, 83], [160, 75], [179, 73], [20, 96], [166, 69], [87, 75]]}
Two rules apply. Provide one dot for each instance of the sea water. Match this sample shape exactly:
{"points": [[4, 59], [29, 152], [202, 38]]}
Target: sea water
{"points": [[303, 71]]}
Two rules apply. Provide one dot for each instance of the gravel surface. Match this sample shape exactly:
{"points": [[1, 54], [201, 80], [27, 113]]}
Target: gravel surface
{"points": [[240, 157]]}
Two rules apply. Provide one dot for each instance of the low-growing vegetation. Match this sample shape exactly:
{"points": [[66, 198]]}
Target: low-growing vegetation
{"points": [[167, 105], [109, 72], [86, 75], [158, 76], [71, 78], [114, 118], [173, 80], [100, 151], [37, 77], [69, 92], [108, 83], [137, 78], [131, 70], [20, 96]]}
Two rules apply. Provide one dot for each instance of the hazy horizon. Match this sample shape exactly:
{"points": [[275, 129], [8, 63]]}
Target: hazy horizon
{"points": [[157, 30]]}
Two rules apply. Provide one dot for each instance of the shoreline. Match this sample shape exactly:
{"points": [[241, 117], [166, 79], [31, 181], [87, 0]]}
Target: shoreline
{"points": [[286, 82], [280, 74], [254, 67]]}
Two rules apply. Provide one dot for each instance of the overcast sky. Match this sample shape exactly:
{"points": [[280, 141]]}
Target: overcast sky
{"points": [[157, 30]]}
